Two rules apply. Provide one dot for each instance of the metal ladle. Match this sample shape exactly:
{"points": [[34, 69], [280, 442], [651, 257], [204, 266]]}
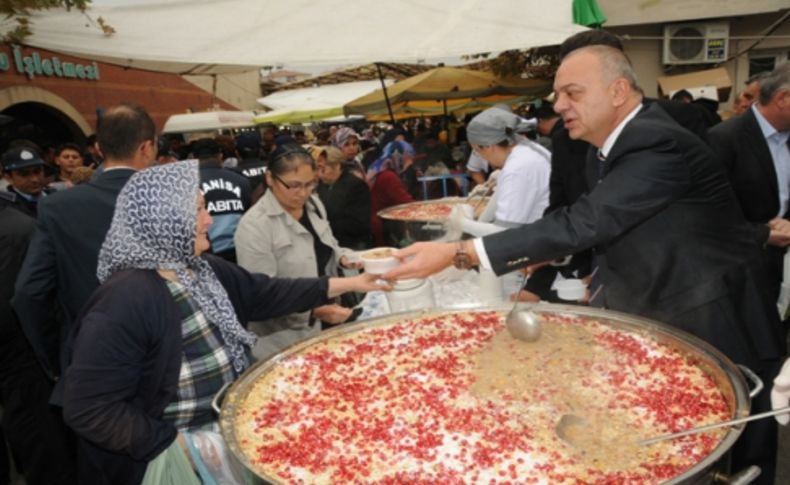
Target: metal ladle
{"points": [[569, 421], [523, 324]]}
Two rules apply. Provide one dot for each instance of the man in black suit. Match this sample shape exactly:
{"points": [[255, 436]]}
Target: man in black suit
{"points": [[38, 439], [62, 258], [754, 149], [670, 241]]}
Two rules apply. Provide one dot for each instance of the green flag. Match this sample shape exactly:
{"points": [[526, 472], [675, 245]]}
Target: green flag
{"points": [[588, 13]]}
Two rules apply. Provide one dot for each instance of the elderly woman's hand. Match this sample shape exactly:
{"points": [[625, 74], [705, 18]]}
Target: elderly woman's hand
{"points": [[366, 282], [361, 283]]}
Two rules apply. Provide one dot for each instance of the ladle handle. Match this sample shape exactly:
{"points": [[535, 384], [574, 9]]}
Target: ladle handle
{"points": [[715, 426]]}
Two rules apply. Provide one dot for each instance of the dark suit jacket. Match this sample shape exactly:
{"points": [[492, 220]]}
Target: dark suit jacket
{"points": [[347, 203], [568, 159], [16, 229], [740, 146], [670, 239], [62, 259]]}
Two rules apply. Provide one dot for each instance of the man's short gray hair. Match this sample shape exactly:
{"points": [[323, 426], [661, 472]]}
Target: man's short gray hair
{"points": [[614, 62], [777, 80]]}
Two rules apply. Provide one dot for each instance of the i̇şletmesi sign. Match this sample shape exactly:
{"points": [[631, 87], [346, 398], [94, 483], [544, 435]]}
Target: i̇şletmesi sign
{"points": [[36, 65]]}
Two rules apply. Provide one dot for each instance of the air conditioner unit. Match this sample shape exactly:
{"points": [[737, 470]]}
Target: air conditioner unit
{"points": [[696, 43]]}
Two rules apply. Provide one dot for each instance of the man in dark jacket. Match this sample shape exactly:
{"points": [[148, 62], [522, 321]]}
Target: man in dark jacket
{"points": [[227, 197], [34, 430], [251, 165], [755, 150], [670, 241], [61, 262]]}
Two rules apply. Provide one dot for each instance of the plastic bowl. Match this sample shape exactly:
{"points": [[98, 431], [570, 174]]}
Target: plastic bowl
{"points": [[378, 260], [571, 289]]}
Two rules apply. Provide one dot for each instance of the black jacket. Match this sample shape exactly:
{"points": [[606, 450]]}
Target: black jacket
{"points": [[16, 229], [670, 239], [347, 203], [61, 261], [740, 146], [13, 198], [126, 356]]}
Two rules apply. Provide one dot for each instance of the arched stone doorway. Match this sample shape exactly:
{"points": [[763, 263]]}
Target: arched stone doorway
{"points": [[40, 116]]}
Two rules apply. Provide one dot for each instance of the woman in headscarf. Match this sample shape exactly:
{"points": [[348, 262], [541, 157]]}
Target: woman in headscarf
{"points": [[386, 187], [347, 201], [165, 330], [522, 186], [347, 141]]}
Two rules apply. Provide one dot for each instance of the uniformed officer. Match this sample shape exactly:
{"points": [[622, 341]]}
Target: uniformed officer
{"points": [[24, 170]]}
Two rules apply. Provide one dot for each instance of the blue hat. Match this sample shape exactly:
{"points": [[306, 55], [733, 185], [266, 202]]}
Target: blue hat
{"points": [[18, 158]]}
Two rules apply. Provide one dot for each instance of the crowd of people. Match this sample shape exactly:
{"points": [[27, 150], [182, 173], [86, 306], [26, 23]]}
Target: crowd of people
{"points": [[141, 274]]}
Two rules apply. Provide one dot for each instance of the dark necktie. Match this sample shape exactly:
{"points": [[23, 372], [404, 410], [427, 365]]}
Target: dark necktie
{"points": [[595, 287], [601, 164]]}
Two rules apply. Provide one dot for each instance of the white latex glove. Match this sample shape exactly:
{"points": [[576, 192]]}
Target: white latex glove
{"points": [[487, 187], [780, 394], [492, 178], [454, 223], [211, 456], [480, 190]]}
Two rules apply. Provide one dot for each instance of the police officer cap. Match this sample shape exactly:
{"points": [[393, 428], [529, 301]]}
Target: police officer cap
{"points": [[18, 158]]}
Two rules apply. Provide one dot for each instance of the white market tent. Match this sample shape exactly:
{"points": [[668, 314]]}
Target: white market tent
{"points": [[224, 36], [313, 104], [209, 121]]}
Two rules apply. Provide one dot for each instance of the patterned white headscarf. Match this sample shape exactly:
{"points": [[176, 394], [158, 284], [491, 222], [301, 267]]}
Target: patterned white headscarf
{"points": [[154, 227]]}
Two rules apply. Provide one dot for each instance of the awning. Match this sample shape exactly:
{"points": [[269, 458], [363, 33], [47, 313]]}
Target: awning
{"points": [[313, 104], [445, 84], [222, 36], [209, 121]]}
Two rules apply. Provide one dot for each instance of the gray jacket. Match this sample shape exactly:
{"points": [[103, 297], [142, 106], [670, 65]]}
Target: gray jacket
{"points": [[269, 240]]}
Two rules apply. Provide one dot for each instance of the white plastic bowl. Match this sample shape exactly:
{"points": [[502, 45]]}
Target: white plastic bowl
{"points": [[571, 289], [378, 260]]}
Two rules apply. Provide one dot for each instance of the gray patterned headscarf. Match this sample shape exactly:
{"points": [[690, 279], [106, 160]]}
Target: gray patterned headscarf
{"points": [[154, 227], [495, 125]]}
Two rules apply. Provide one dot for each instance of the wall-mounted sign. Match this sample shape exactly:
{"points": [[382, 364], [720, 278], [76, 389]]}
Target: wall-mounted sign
{"points": [[35, 65]]}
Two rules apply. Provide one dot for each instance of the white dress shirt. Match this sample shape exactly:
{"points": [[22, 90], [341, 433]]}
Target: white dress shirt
{"points": [[780, 155]]}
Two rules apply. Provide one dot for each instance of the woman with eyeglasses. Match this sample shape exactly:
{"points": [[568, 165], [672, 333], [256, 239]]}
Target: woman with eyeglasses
{"points": [[287, 234]]}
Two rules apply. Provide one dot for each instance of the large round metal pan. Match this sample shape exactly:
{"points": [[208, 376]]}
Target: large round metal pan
{"points": [[727, 376]]}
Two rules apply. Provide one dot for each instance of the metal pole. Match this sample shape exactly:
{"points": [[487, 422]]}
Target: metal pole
{"points": [[386, 96]]}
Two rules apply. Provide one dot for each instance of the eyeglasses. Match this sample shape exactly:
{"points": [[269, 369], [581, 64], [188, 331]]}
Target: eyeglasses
{"points": [[296, 186]]}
